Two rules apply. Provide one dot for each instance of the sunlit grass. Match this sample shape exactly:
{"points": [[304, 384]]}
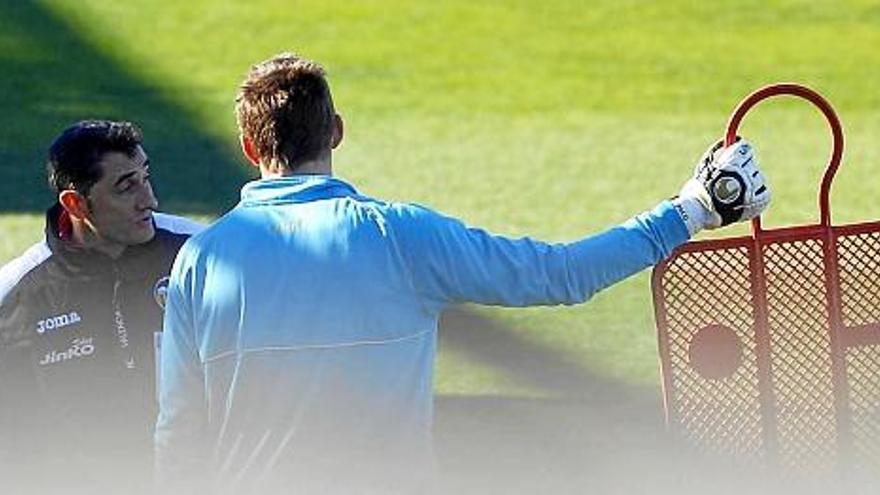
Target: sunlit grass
{"points": [[553, 120]]}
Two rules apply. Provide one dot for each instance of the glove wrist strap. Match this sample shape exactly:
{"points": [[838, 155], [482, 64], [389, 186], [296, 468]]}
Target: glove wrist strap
{"points": [[693, 213]]}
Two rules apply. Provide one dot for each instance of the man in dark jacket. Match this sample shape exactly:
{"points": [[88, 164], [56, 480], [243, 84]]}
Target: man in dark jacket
{"points": [[80, 314]]}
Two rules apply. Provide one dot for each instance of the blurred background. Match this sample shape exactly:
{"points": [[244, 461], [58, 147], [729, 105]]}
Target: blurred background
{"points": [[551, 119]]}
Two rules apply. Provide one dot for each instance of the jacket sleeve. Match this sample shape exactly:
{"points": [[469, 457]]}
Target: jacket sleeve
{"points": [[180, 430], [17, 383], [452, 263]]}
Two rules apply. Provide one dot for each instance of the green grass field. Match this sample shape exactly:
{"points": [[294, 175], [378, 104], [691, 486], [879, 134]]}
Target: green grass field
{"points": [[552, 119]]}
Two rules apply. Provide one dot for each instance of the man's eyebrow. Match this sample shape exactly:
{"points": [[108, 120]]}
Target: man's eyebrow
{"points": [[124, 177]]}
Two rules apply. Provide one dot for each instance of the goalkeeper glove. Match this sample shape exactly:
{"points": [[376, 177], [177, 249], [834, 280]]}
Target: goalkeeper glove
{"points": [[727, 187]]}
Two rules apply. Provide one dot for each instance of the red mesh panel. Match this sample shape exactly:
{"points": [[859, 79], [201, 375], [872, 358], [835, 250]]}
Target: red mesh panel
{"points": [[859, 262], [795, 413], [863, 375], [800, 354], [712, 288], [858, 258]]}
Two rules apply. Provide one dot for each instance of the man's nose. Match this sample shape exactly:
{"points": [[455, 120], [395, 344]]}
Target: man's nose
{"points": [[147, 200]]}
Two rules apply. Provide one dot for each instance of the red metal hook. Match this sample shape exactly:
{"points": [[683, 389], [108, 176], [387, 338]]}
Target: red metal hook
{"points": [[836, 131]]}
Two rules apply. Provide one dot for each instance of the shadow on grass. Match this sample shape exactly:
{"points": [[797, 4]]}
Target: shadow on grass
{"points": [[593, 434], [587, 423], [51, 78], [532, 364]]}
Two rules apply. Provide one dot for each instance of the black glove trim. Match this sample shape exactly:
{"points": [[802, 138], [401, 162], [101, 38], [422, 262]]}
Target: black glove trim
{"points": [[730, 210]]}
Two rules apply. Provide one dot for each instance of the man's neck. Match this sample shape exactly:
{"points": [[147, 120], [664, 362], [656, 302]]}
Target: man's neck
{"points": [[314, 167], [83, 237]]}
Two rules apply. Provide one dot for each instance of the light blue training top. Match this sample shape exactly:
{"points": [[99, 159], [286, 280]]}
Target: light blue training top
{"points": [[300, 328]]}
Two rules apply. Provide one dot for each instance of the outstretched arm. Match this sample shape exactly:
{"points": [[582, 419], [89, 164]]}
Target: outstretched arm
{"points": [[450, 262]]}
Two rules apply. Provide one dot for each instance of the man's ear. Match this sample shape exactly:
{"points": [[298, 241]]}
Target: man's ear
{"points": [[250, 151], [74, 203], [338, 131]]}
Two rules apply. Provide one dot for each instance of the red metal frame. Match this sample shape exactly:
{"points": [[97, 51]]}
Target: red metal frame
{"points": [[760, 244]]}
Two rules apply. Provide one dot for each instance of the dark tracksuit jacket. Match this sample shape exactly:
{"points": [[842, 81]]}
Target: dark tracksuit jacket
{"points": [[78, 333]]}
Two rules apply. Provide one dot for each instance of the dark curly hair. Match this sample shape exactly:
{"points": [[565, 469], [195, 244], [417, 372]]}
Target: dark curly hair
{"points": [[75, 156]]}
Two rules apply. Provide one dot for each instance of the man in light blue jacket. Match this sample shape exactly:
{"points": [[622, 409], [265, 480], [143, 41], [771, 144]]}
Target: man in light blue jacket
{"points": [[301, 328]]}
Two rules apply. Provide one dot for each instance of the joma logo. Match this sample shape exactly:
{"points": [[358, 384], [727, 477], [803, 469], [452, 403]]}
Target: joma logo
{"points": [[57, 322]]}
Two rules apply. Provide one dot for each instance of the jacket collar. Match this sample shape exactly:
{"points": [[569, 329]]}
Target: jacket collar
{"points": [[294, 189]]}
